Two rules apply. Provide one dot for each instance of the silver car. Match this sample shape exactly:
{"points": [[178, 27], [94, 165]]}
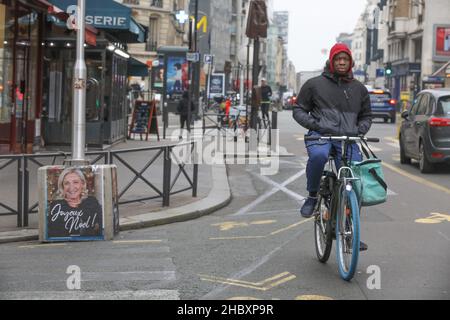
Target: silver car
{"points": [[425, 130]]}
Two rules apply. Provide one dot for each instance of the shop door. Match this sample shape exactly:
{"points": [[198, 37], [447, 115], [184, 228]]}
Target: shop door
{"points": [[21, 102], [25, 93]]}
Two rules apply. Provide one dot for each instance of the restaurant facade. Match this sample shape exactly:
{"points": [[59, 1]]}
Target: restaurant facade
{"points": [[37, 56]]}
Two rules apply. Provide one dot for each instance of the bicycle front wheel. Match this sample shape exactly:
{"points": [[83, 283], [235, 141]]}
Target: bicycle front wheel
{"points": [[347, 233], [323, 233]]}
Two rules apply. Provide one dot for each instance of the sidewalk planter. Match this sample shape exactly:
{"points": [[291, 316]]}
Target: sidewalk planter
{"points": [[78, 203]]}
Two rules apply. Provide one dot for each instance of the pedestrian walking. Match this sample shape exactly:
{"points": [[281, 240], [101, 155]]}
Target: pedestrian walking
{"points": [[266, 94], [183, 110]]}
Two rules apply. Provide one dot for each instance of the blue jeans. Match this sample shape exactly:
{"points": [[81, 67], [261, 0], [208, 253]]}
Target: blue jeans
{"points": [[318, 152]]}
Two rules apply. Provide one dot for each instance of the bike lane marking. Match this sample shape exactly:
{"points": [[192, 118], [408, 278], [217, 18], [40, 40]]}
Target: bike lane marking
{"points": [[435, 218], [45, 245], [277, 187], [417, 179], [262, 285], [260, 236]]}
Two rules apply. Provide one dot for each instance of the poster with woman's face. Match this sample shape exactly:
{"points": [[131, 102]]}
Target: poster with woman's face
{"points": [[74, 206], [177, 75]]}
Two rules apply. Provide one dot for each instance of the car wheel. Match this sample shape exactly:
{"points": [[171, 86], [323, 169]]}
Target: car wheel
{"points": [[403, 158], [424, 165]]}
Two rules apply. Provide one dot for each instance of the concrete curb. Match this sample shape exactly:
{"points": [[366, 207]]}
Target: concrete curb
{"points": [[218, 197]]}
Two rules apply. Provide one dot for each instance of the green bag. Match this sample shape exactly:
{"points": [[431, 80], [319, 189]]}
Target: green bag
{"points": [[371, 189]]}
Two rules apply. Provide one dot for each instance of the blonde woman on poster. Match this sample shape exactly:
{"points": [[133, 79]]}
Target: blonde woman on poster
{"points": [[74, 213]]}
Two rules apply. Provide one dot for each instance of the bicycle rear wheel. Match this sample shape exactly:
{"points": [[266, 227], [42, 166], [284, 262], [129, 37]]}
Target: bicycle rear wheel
{"points": [[323, 233], [347, 234]]}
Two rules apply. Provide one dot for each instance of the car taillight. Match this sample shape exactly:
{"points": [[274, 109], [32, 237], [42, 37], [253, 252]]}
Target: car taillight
{"points": [[439, 122], [392, 102], [437, 155]]}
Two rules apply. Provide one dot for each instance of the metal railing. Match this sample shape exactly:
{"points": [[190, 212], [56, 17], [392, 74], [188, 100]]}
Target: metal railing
{"points": [[27, 165]]}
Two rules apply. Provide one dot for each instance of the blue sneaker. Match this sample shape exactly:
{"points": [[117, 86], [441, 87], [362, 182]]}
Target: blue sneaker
{"points": [[308, 207]]}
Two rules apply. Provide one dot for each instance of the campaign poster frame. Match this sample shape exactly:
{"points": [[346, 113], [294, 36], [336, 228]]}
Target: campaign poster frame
{"points": [[177, 76], [216, 85], [441, 42], [85, 222]]}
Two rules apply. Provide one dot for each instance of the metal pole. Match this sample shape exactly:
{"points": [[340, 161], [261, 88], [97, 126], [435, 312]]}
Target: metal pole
{"points": [[190, 77], [248, 87], [79, 94]]}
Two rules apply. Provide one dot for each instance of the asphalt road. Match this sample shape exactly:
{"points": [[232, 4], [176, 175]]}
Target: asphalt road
{"points": [[258, 247]]}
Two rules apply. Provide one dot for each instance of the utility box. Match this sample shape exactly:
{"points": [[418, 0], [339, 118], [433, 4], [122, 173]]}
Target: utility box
{"points": [[78, 203]]}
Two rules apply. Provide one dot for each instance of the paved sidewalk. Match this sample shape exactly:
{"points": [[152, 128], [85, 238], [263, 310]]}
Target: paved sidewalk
{"points": [[213, 193]]}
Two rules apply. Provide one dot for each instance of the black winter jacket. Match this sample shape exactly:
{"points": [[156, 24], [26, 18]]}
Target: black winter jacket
{"points": [[334, 105], [182, 107]]}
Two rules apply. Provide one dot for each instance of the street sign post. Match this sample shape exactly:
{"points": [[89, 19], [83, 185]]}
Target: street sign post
{"points": [[193, 56], [208, 59]]}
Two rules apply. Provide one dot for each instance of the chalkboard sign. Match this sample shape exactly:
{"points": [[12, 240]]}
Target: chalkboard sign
{"points": [[144, 119]]}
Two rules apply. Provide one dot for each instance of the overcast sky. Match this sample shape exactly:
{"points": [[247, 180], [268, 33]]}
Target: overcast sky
{"points": [[314, 25]]}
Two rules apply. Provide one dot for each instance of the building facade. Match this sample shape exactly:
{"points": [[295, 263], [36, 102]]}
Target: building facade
{"points": [[37, 57], [160, 17], [418, 32]]}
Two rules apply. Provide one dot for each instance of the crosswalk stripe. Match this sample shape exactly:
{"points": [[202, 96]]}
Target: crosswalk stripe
{"points": [[156, 294]]}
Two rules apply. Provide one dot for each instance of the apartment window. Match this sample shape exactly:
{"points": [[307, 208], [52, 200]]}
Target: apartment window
{"points": [[418, 50], [156, 3], [152, 43]]}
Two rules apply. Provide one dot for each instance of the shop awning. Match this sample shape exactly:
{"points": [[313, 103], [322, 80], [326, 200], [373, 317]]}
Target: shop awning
{"points": [[110, 15], [60, 15], [137, 68]]}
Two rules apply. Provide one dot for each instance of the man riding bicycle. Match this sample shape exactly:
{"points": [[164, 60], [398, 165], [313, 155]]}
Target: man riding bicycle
{"points": [[333, 103]]}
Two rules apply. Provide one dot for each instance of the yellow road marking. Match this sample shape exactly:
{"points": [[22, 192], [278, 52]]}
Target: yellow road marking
{"points": [[393, 139], [263, 222], [263, 285], [44, 245], [136, 241], [417, 179], [238, 238], [265, 236], [434, 218], [228, 225], [290, 227], [313, 297]]}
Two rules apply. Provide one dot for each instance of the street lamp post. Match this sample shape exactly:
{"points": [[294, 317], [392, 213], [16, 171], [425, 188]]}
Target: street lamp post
{"points": [[192, 65], [79, 93]]}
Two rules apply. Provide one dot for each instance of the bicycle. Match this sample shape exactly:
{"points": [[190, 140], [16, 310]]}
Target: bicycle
{"points": [[238, 121], [336, 216]]}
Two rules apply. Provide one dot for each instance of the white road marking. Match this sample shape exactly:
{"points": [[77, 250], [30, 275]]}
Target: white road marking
{"points": [[282, 187], [268, 194], [155, 294], [444, 236]]}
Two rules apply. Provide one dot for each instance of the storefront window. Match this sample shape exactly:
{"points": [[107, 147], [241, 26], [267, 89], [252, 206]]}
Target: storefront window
{"points": [[94, 83], [6, 69]]}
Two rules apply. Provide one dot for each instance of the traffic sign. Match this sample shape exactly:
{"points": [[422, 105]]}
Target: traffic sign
{"points": [[193, 56], [208, 59]]}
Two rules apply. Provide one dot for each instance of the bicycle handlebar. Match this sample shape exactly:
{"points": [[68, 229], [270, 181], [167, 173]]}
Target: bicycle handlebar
{"points": [[341, 138]]}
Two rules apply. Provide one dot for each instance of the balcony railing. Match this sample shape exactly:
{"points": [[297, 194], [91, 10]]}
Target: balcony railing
{"points": [[131, 2], [156, 3], [151, 46]]}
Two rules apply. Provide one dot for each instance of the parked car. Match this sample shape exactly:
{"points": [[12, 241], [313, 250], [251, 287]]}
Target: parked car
{"points": [[383, 106], [425, 130]]}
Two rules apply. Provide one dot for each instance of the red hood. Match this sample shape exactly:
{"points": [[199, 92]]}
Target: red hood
{"points": [[336, 49]]}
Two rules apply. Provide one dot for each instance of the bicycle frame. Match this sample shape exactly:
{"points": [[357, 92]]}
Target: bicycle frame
{"points": [[337, 211]]}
